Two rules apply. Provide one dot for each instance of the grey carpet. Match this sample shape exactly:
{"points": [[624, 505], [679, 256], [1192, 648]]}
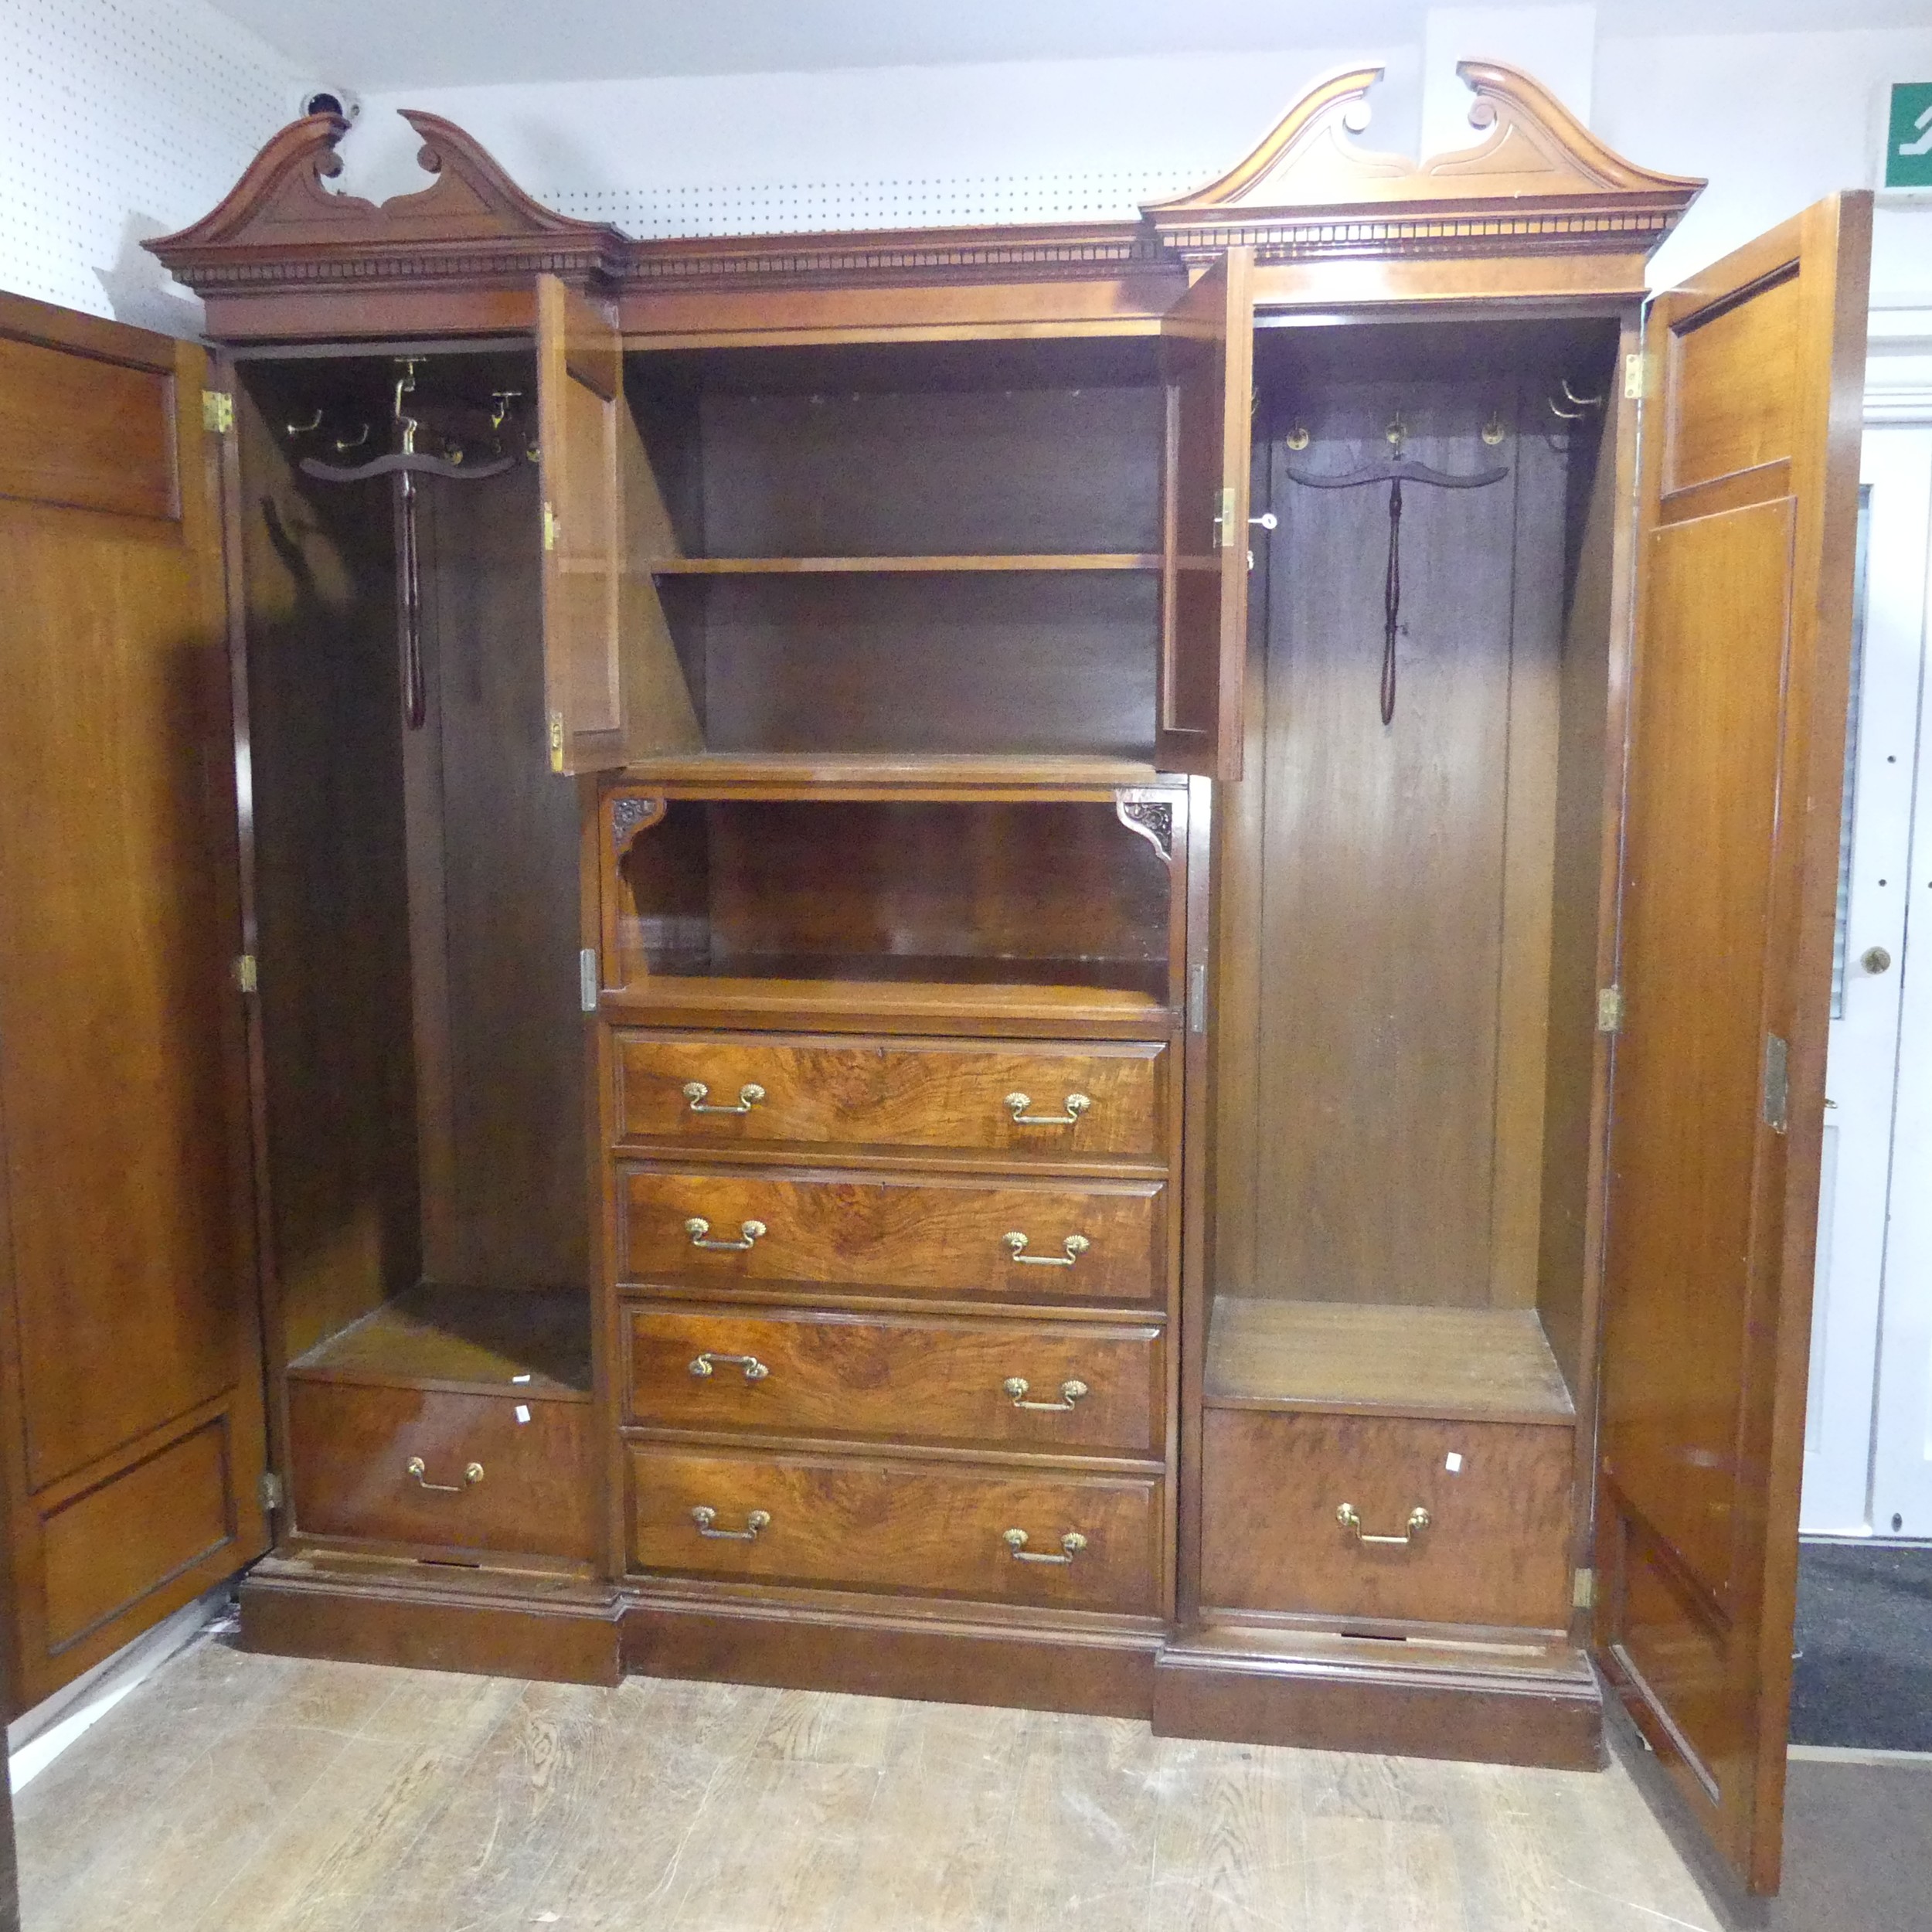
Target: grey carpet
{"points": [[1857, 1850], [1863, 1672]]}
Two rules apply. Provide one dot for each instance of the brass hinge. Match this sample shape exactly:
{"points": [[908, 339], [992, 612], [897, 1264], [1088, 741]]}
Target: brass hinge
{"points": [[557, 741], [247, 975], [550, 528], [217, 412], [1582, 1590], [269, 1490], [1777, 1083], [1197, 999], [587, 980], [1633, 379], [1609, 1009], [1224, 521]]}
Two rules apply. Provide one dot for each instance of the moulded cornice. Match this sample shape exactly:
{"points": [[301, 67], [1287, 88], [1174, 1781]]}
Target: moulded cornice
{"points": [[279, 223], [1537, 181]]}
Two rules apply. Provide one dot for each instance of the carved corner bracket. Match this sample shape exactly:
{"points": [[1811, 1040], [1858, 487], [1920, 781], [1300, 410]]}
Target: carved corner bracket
{"points": [[630, 815], [1151, 816]]}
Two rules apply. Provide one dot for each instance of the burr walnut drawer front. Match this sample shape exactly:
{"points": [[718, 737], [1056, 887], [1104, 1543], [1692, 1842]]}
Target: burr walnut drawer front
{"points": [[1038, 1385], [1374, 1517], [1087, 1543], [1030, 1100], [458, 1472], [1014, 1239]]}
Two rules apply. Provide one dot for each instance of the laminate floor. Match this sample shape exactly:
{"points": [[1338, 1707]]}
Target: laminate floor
{"points": [[239, 1794]]}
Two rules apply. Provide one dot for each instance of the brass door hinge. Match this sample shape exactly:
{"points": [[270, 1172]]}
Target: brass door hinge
{"points": [[587, 980], [1777, 1084], [1582, 1590], [268, 1492], [550, 528], [1609, 1009], [1633, 379], [1224, 521], [557, 741], [247, 975], [217, 412]]}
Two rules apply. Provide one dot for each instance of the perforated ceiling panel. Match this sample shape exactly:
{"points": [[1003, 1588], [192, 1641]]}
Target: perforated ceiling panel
{"points": [[809, 207], [121, 119]]}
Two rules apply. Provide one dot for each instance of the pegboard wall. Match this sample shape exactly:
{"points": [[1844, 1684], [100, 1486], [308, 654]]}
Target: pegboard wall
{"points": [[827, 206], [119, 119]]}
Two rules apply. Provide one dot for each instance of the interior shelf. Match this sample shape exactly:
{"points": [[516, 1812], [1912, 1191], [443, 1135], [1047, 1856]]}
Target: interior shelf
{"points": [[1490, 1365], [535, 1340], [910, 770], [795, 565]]}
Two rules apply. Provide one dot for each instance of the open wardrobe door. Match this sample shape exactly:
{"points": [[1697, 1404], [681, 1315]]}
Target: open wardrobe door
{"points": [[1746, 524], [579, 400], [1208, 365]]}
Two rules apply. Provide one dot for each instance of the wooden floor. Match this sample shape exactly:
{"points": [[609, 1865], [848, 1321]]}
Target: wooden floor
{"points": [[239, 1794]]}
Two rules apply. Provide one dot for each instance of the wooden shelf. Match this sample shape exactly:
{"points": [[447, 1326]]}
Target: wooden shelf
{"points": [[466, 1339], [718, 566], [894, 770], [1482, 1365]]}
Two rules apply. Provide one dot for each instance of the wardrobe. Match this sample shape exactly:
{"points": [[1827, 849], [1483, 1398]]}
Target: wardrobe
{"points": [[1080, 965]]}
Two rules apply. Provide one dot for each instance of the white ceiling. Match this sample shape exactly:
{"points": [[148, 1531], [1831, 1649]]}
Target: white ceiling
{"points": [[381, 45]]}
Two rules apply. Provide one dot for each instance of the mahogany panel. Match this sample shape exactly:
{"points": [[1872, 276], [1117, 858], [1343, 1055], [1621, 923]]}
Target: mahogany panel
{"points": [[877, 1655], [350, 1446], [87, 434], [838, 1522], [1495, 1550], [116, 1543], [1731, 391], [897, 1378], [858, 1092], [922, 1234]]}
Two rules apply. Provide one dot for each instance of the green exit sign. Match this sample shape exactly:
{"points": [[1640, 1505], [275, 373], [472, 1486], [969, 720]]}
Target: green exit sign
{"points": [[1908, 139]]}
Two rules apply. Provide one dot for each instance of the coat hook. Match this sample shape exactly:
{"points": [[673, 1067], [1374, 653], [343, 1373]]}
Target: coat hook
{"points": [[308, 428], [1582, 402], [1493, 431], [346, 443], [1397, 433], [1298, 437], [501, 399]]}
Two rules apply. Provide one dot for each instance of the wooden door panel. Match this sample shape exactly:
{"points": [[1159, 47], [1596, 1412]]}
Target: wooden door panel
{"points": [[132, 1350], [580, 392], [1209, 362], [1728, 885]]}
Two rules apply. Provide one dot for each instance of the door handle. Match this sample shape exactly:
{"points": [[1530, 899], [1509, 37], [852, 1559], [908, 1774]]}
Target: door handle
{"points": [[698, 1228], [1876, 959]]}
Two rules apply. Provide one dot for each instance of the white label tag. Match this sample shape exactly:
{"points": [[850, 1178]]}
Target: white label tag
{"points": [[1453, 1462], [522, 1412]]}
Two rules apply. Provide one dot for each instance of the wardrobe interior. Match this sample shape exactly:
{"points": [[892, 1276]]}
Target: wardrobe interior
{"points": [[1411, 873]]}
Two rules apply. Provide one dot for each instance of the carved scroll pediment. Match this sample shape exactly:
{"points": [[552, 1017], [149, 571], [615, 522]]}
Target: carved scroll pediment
{"points": [[281, 207], [1532, 151]]}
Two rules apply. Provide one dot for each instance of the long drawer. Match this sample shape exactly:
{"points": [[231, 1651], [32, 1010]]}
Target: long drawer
{"points": [[1031, 1100], [1087, 1542], [1494, 1549], [1089, 1386], [453, 1471], [1014, 1239]]}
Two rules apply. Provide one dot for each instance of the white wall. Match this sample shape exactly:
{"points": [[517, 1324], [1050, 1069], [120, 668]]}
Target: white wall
{"points": [[121, 119]]}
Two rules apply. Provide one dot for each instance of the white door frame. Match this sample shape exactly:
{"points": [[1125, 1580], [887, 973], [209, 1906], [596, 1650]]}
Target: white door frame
{"points": [[1871, 1370]]}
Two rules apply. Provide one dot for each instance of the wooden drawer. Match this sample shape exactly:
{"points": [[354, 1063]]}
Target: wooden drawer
{"points": [[1495, 1551], [903, 1378], [351, 1445], [839, 1522], [799, 1090], [925, 1234]]}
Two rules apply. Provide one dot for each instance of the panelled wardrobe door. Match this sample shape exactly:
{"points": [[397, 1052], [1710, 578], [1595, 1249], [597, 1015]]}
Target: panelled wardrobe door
{"points": [[1208, 363], [1745, 542], [130, 1361]]}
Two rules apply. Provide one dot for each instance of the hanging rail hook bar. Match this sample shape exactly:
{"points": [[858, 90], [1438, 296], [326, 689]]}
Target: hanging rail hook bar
{"points": [[308, 428], [1581, 402]]}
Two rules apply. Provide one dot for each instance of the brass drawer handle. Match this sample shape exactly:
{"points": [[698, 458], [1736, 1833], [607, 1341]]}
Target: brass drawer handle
{"points": [[1017, 1104], [749, 1096], [1070, 1393], [698, 1227], [1418, 1521], [755, 1370], [1075, 1245], [417, 1468], [1071, 1545], [704, 1516]]}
